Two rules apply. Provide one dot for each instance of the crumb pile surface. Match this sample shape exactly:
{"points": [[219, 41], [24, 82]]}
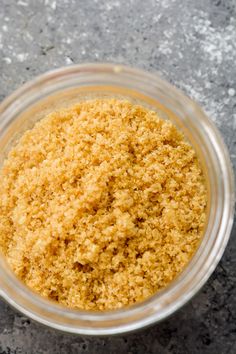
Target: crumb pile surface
{"points": [[101, 205]]}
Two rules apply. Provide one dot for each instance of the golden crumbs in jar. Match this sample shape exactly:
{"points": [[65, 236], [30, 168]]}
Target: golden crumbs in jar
{"points": [[101, 205]]}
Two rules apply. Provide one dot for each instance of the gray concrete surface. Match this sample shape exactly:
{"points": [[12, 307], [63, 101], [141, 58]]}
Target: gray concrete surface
{"points": [[193, 44]]}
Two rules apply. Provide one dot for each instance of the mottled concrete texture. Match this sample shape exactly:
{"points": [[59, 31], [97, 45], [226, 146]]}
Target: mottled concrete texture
{"points": [[193, 44]]}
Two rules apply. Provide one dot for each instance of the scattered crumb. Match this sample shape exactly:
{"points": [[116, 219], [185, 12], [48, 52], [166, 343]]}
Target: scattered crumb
{"points": [[102, 205], [231, 92]]}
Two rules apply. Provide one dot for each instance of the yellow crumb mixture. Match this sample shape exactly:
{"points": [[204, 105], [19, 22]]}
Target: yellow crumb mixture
{"points": [[101, 205]]}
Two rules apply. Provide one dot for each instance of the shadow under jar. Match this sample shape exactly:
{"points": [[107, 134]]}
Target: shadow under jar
{"points": [[67, 86]]}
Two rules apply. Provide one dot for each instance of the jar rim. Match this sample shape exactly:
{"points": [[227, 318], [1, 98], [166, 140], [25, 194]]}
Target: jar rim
{"points": [[196, 273]]}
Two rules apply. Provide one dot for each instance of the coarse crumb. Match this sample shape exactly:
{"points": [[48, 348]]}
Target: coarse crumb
{"points": [[102, 205]]}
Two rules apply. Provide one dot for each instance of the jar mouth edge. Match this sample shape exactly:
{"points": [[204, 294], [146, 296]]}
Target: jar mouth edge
{"points": [[111, 68], [225, 162]]}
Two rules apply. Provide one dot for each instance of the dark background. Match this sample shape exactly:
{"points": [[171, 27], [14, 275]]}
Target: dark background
{"points": [[193, 45]]}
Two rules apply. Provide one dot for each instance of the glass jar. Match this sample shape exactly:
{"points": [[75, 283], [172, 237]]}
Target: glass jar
{"points": [[68, 85]]}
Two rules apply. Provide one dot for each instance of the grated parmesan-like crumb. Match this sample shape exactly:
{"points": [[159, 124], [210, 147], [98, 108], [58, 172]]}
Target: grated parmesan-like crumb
{"points": [[102, 205]]}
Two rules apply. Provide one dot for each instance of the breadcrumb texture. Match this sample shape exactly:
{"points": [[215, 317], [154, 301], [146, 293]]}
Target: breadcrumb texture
{"points": [[102, 205]]}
